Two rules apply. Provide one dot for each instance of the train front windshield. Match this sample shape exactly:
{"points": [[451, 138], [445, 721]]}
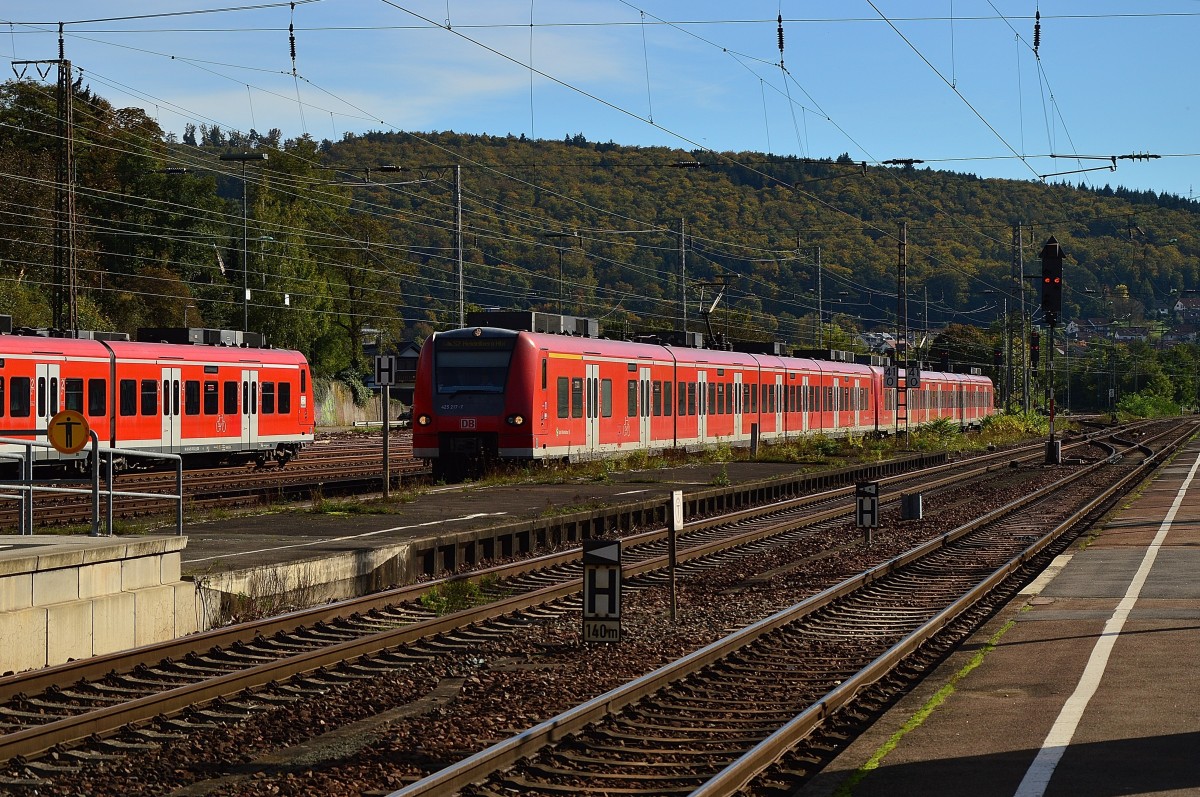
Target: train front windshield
{"points": [[472, 365]]}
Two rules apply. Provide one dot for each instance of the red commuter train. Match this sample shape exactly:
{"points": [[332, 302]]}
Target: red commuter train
{"points": [[486, 393], [209, 403]]}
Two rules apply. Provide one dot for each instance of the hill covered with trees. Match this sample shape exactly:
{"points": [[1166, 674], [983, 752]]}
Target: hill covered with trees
{"points": [[368, 233]]}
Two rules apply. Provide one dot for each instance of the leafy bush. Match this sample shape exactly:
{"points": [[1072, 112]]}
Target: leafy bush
{"points": [[1148, 405], [453, 596], [937, 435], [1010, 427], [353, 380]]}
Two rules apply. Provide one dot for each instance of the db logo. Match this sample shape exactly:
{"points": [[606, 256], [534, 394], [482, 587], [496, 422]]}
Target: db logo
{"points": [[466, 423]]}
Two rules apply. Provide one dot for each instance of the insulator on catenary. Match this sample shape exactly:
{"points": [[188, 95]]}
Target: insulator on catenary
{"points": [[1037, 31], [780, 18]]}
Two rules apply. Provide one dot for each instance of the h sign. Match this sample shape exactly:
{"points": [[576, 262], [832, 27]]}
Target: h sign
{"points": [[601, 591], [385, 370], [866, 496]]}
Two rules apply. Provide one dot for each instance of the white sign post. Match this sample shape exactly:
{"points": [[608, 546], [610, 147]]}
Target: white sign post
{"points": [[866, 515], [601, 590], [385, 372]]}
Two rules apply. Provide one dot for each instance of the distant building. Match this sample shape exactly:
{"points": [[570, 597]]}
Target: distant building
{"points": [[1188, 308]]}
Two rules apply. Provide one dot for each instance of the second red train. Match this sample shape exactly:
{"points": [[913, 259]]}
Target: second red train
{"points": [[485, 394]]}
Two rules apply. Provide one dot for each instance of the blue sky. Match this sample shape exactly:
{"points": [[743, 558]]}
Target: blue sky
{"points": [[955, 84]]}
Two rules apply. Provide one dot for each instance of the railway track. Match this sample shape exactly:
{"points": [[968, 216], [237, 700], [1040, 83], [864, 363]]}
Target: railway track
{"points": [[711, 723], [81, 699]]}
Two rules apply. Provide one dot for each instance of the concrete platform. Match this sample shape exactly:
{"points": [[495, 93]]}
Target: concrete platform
{"points": [[298, 557], [65, 598], [1087, 684]]}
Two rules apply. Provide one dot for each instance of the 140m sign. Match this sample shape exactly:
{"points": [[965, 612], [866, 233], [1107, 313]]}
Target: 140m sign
{"points": [[601, 591]]}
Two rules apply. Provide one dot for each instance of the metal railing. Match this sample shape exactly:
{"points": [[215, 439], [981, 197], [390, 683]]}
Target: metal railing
{"points": [[26, 486]]}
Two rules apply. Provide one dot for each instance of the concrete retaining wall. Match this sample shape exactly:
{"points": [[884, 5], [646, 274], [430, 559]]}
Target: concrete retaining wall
{"points": [[67, 598]]}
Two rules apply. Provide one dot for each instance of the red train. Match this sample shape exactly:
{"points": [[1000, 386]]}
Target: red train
{"points": [[209, 403], [486, 393]]}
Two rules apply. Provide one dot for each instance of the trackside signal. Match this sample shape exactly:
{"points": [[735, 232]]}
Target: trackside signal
{"points": [[1052, 280], [1035, 347]]}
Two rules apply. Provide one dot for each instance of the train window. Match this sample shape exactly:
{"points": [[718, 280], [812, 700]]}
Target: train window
{"points": [[657, 399], [631, 398], [682, 399], [231, 391], [473, 371], [41, 396], [74, 394], [304, 381], [53, 396], [18, 396], [829, 398], [576, 397], [713, 407], [128, 389], [606, 398], [564, 397], [2, 407], [285, 398], [191, 397], [691, 398], [97, 397], [175, 397], [720, 405], [245, 397], [267, 391], [545, 370], [631, 367], [253, 405], [149, 397], [754, 398], [212, 398], [667, 398]]}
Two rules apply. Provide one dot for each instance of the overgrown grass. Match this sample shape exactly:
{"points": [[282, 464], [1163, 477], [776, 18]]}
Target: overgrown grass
{"points": [[454, 596], [555, 510]]}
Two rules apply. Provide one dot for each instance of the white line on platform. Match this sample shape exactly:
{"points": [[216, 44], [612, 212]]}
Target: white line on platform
{"points": [[1036, 586], [632, 492], [1037, 777], [347, 537]]}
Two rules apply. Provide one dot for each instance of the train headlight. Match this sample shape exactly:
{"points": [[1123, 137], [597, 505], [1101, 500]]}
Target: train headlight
{"points": [[516, 420], [424, 420]]}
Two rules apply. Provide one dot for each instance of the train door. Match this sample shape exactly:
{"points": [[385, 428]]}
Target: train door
{"points": [[856, 403], [172, 422], [803, 404], [779, 402], [833, 399], [249, 409], [737, 406], [702, 406], [644, 405], [46, 388], [592, 419]]}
